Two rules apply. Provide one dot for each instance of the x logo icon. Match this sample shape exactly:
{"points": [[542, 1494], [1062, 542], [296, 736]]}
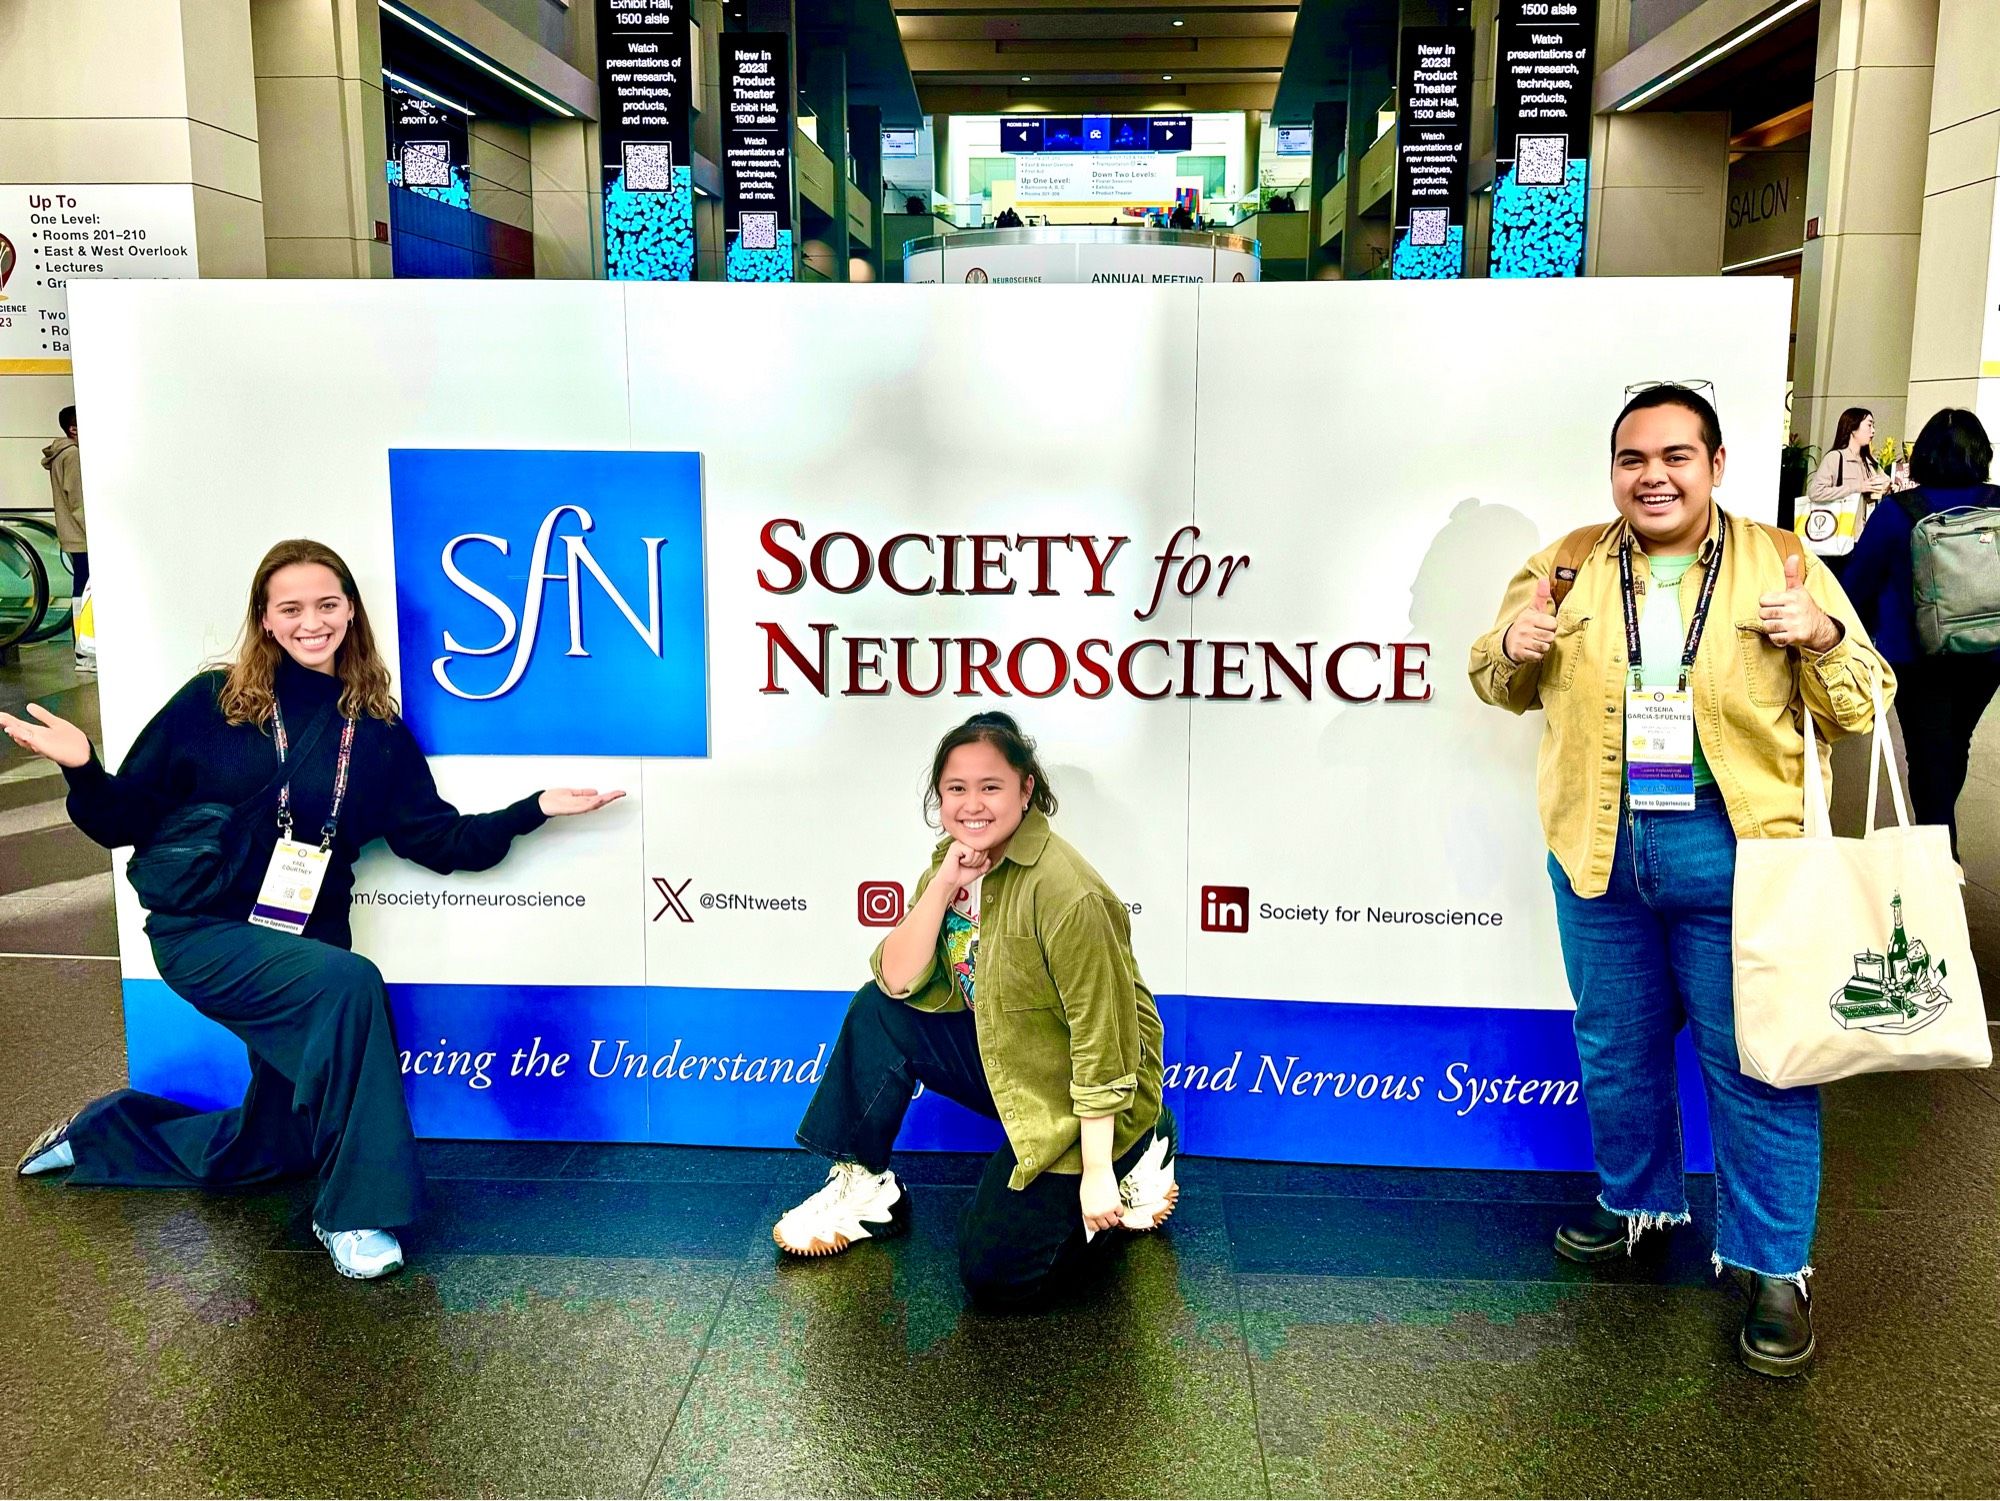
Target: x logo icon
{"points": [[673, 895]]}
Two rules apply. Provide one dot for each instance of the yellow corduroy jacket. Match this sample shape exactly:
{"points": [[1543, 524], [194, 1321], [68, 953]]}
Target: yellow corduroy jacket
{"points": [[1749, 695], [1066, 1026]]}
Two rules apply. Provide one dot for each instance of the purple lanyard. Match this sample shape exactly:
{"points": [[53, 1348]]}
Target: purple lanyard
{"points": [[339, 779]]}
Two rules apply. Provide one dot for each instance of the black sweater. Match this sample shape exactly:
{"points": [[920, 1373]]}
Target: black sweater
{"points": [[190, 754]]}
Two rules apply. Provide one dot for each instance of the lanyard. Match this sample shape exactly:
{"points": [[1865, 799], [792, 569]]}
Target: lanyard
{"points": [[339, 779], [1694, 626]]}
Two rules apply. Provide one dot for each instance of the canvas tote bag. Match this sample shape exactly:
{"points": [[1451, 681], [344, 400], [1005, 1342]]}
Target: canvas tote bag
{"points": [[1851, 955]]}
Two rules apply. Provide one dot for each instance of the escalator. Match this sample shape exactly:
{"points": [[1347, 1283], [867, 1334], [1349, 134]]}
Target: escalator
{"points": [[35, 581]]}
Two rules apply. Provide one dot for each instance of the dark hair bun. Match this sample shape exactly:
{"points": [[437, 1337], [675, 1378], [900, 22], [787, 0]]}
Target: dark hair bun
{"points": [[993, 719]]}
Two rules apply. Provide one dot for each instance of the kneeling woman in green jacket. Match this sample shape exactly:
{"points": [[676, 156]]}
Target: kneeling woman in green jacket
{"points": [[1009, 987]]}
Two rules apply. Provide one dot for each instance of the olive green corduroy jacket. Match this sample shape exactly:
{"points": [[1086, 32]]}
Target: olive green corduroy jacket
{"points": [[1067, 1028]]}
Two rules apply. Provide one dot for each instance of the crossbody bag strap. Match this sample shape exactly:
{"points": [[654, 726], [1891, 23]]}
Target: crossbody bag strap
{"points": [[305, 746]]}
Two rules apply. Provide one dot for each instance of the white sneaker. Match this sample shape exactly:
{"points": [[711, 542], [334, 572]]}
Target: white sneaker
{"points": [[854, 1204], [361, 1253], [1149, 1191]]}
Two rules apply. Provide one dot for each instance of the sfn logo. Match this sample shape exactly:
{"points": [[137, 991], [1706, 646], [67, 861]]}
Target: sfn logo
{"points": [[1225, 909], [551, 602], [675, 898], [879, 904]]}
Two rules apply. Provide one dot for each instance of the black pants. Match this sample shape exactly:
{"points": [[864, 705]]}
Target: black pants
{"points": [[1015, 1248], [1938, 703], [79, 565], [326, 1090]]}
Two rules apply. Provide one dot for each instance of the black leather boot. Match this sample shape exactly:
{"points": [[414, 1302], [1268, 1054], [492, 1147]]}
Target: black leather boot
{"points": [[1601, 1236], [1777, 1338]]}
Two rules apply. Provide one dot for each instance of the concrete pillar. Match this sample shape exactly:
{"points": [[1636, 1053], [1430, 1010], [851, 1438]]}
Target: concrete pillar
{"points": [[1329, 130], [1865, 190], [124, 91], [502, 154], [568, 198], [864, 123], [322, 135], [1659, 189], [1955, 345], [1370, 77], [826, 89]]}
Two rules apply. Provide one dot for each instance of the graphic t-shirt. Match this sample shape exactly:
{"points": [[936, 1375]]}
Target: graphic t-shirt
{"points": [[1663, 637], [960, 939]]}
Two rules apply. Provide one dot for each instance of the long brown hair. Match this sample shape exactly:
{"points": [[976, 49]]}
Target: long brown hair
{"points": [[249, 694], [1851, 419]]}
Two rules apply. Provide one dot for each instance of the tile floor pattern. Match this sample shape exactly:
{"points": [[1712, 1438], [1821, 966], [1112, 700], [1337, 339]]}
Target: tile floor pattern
{"points": [[583, 1320]]}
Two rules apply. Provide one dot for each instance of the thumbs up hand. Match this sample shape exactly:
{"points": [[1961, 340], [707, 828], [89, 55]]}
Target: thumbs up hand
{"points": [[1529, 637], [1793, 617]]}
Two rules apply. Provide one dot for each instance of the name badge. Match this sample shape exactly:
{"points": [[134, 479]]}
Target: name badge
{"points": [[291, 886], [1659, 750]]}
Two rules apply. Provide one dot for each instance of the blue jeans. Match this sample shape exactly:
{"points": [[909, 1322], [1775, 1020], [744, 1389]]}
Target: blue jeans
{"points": [[1651, 954]]}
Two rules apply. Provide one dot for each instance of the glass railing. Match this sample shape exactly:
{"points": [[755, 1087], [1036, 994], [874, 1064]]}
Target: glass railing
{"points": [[35, 581]]}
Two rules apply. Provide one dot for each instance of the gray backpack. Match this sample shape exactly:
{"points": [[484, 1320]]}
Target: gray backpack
{"points": [[1955, 564]]}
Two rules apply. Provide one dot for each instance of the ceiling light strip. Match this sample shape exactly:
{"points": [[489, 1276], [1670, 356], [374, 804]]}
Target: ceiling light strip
{"points": [[411, 86], [452, 44], [1714, 54]]}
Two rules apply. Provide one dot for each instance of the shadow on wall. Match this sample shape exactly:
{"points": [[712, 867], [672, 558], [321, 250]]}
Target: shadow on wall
{"points": [[1456, 776]]}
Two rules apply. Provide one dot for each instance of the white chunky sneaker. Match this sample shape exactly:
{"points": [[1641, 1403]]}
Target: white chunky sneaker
{"points": [[361, 1253], [1149, 1191], [853, 1204]]}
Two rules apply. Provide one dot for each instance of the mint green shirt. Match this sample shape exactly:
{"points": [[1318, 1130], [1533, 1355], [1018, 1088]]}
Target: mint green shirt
{"points": [[1663, 637]]}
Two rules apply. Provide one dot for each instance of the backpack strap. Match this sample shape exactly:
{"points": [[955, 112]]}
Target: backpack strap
{"points": [[1787, 543], [1570, 555]]}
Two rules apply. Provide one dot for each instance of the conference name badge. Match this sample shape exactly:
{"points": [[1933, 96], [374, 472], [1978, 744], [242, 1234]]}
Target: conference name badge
{"points": [[1659, 750], [291, 886]]}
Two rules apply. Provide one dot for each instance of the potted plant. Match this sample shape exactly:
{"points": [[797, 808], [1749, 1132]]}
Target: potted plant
{"points": [[1795, 467]]}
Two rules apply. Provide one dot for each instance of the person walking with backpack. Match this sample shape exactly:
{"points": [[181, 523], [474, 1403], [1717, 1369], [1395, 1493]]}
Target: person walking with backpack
{"points": [[1674, 652], [1943, 692]]}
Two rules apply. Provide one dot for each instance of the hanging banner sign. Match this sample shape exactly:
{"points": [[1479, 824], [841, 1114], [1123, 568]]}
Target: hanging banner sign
{"points": [[430, 147], [1542, 136], [1433, 142], [757, 157], [1114, 177], [644, 85], [53, 237]]}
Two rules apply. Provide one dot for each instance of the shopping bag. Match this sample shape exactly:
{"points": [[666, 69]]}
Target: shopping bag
{"points": [[83, 622], [1827, 527], [1851, 955]]}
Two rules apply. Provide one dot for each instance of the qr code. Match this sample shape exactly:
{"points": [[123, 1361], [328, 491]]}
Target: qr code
{"points": [[757, 231], [649, 167], [1541, 161], [426, 164], [1428, 225]]}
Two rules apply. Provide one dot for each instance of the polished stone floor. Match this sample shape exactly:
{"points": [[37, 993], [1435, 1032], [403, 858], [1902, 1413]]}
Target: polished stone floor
{"points": [[614, 1321]]}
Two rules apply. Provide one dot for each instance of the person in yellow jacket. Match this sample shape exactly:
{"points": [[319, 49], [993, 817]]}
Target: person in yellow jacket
{"points": [[1009, 986], [1674, 655]]}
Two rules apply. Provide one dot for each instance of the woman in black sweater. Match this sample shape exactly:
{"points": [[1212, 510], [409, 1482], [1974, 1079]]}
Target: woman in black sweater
{"points": [[304, 714]]}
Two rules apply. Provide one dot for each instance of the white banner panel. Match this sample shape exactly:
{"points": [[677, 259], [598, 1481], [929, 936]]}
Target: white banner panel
{"points": [[1246, 673], [1096, 177]]}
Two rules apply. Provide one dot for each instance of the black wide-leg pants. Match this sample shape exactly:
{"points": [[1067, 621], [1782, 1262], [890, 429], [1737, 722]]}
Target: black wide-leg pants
{"points": [[1016, 1248], [326, 1089]]}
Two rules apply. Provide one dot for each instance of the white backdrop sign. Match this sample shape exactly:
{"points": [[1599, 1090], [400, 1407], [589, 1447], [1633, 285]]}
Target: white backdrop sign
{"points": [[1223, 553]]}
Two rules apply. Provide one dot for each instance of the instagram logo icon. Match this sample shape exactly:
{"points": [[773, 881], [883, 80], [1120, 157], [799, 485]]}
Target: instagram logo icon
{"points": [[879, 904], [1225, 909]]}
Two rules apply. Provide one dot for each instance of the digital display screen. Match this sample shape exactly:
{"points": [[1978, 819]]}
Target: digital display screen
{"points": [[1295, 140], [1109, 133], [1062, 133], [1024, 134], [899, 143]]}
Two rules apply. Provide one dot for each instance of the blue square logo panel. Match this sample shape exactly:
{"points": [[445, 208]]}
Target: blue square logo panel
{"points": [[551, 602]]}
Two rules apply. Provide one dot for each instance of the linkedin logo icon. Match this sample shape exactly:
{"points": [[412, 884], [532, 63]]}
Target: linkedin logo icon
{"points": [[1225, 909]]}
